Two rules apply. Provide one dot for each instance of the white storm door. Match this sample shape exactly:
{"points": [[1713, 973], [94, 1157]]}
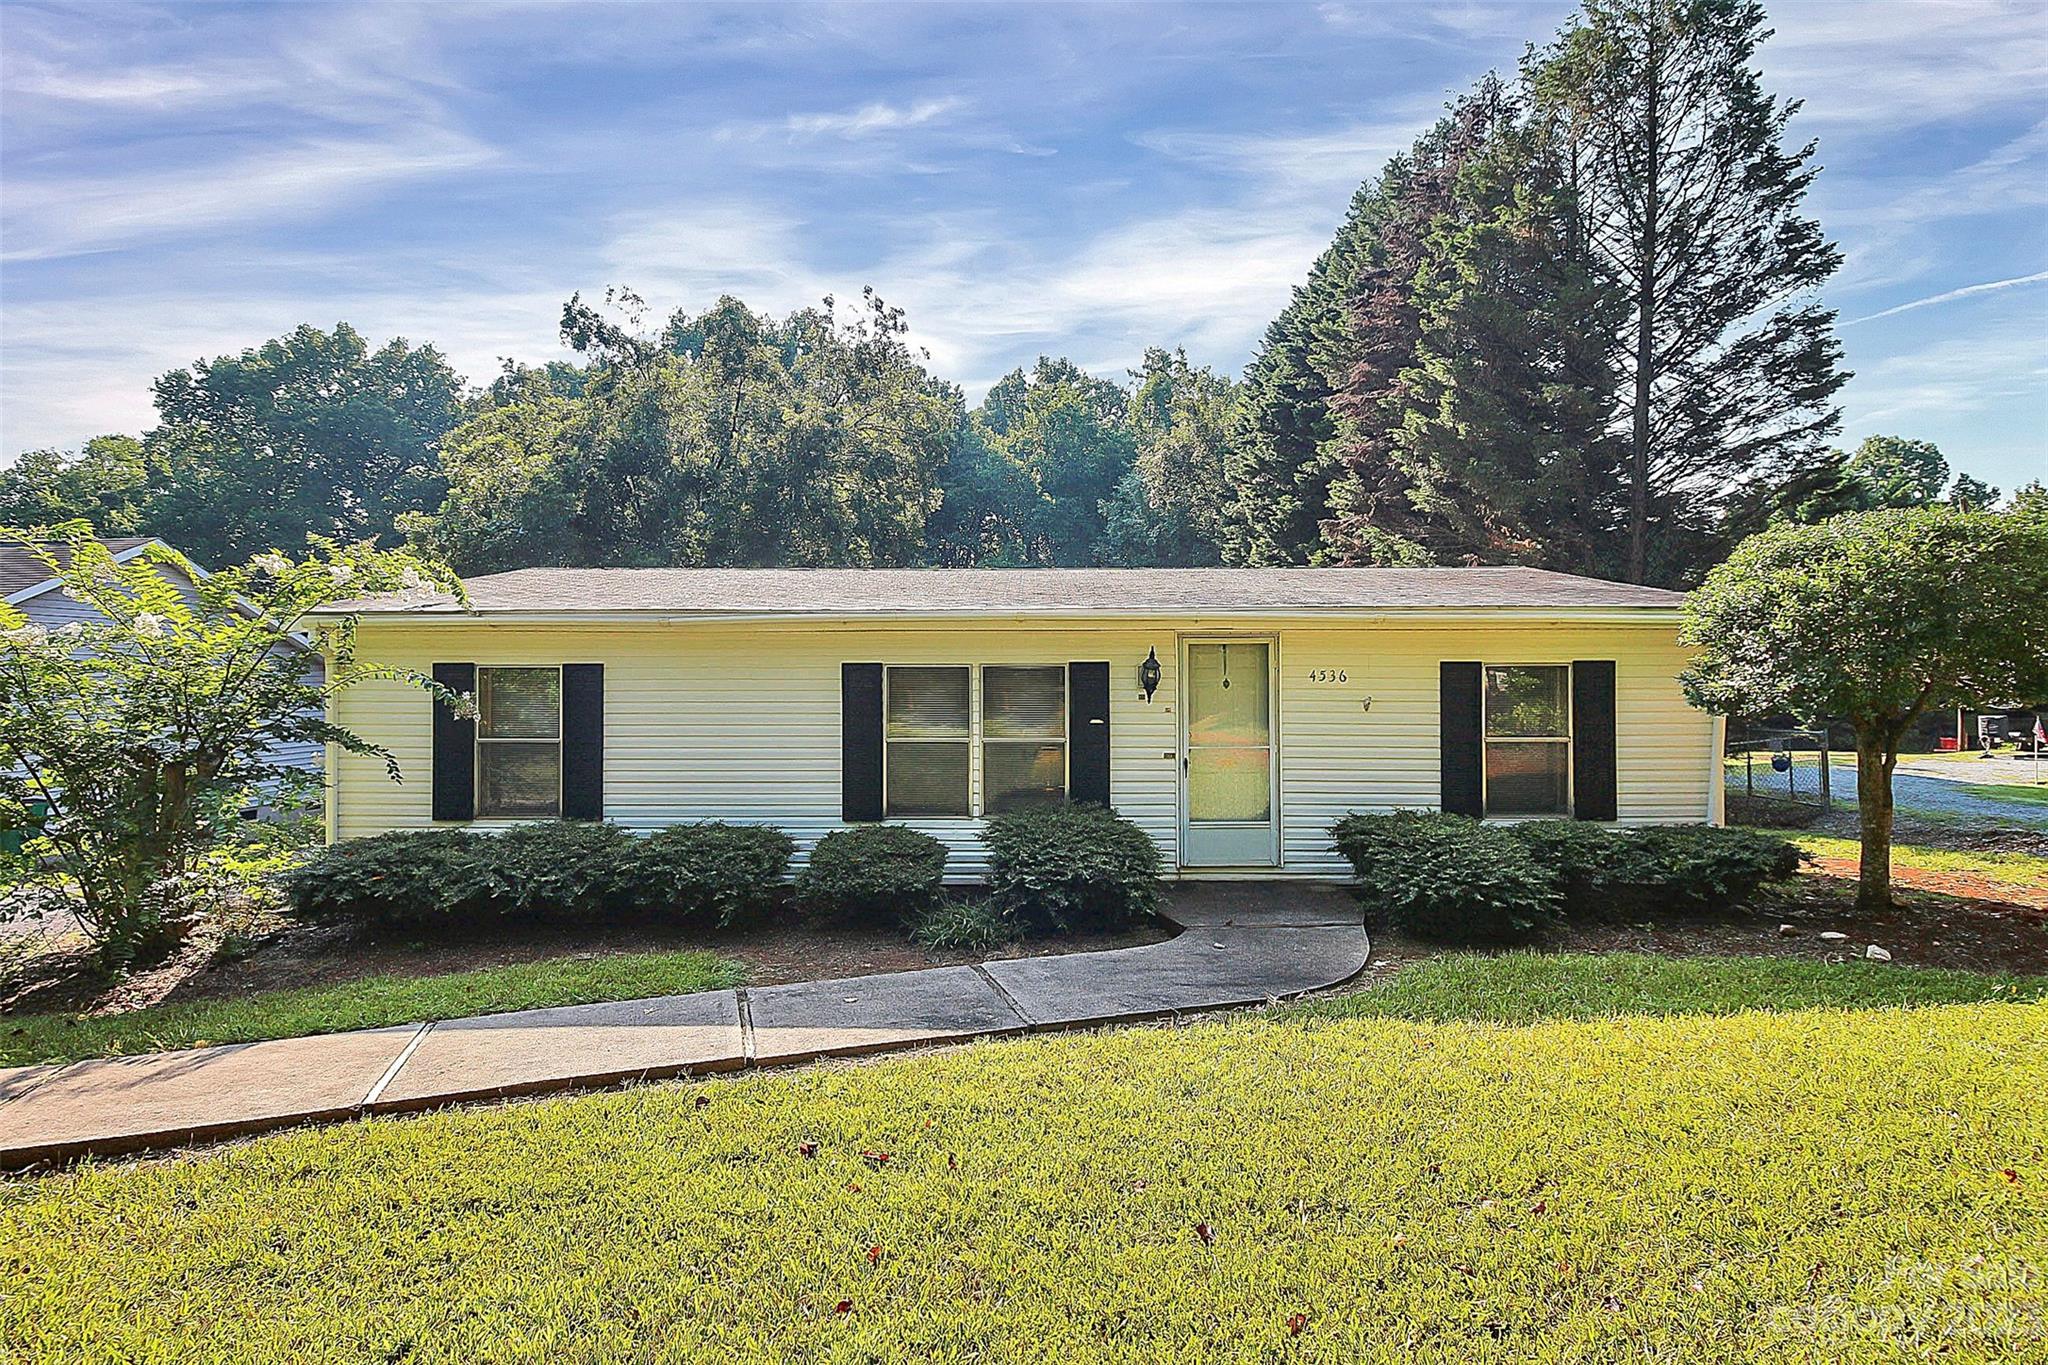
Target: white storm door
{"points": [[1230, 812]]}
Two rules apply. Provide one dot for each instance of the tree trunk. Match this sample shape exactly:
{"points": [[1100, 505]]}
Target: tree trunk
{"points": [[1875, 759]]}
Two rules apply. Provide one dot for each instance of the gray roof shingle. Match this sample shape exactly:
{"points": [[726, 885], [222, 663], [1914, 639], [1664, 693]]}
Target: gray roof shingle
{"points": [[1002, 592], [19, 569]]}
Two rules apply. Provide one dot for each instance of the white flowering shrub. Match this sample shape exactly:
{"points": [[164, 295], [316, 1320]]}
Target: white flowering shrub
{"points": [[127, 743]]}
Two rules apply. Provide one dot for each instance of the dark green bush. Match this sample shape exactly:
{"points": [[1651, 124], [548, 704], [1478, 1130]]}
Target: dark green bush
{"points": [[554, 866], [1055, 868], [1448, 878], [974, 925], [400, 878], [1625, 873], [876, 873], [724, 872]]}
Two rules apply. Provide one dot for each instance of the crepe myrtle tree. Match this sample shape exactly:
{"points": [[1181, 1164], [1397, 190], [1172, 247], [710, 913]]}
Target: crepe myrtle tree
{"points": [[1870, 618], [131, 741]]}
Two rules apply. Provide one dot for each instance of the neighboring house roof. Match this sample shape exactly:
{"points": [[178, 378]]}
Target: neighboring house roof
{"points": [[23, 576], [574, 593]]}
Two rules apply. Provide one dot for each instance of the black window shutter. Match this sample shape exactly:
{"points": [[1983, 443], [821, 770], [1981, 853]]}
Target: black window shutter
{"points": [[1460, 740], [1593, 784], [1088, 733], [860, 741], [583, 741], [454, 748]]}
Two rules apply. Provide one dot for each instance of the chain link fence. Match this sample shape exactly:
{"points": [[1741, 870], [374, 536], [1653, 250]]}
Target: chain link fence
{"points": [[1776, 777]]}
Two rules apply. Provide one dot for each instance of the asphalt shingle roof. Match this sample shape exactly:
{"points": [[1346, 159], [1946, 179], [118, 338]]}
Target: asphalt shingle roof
{"points": [[19, 569], [999, 592]]}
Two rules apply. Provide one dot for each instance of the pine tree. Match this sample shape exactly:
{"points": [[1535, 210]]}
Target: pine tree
{"points": [[1374, 516], [1279, 464], [1504, 437], [1693, 202]]}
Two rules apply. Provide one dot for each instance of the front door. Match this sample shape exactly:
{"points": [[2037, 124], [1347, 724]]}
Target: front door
{"points": [[1229, 814]]}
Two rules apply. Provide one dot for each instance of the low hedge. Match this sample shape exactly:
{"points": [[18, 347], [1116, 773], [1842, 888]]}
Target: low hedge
{"points": [[1448, 878], [1453, 878], [715, 870], [1605, 871], [889, 874], [557, 867], [1056, 868], [398, 878]]}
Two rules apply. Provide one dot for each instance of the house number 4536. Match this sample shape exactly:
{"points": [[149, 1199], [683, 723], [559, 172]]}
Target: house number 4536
{"points": [[1328, 675]]}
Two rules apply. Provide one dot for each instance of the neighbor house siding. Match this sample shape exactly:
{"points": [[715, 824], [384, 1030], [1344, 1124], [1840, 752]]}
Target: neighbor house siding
{"points": [[742, 723]]}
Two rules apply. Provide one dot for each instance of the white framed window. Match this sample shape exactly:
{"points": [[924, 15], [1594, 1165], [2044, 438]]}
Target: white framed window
{"points": [[519, 741], [1528, 739], [1023, 736], [927, 740], [963, 740]]}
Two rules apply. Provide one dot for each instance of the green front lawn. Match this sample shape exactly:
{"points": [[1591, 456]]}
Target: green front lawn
{"points": [[1815, 1185], [2012, 869], [2008, 792], [369, 1002], [1524, 988]]}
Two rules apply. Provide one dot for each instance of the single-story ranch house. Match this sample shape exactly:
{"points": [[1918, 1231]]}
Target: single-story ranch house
{"points": [[1231, 713]]}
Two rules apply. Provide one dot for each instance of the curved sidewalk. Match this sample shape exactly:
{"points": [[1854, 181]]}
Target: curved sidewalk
{"points": [[1241, 944]]}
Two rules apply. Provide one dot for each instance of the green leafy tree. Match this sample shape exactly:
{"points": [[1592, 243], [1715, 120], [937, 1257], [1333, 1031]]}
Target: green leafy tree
{"points": [[143, 731], [1972, 494], [1168, 510], [310, 434], [1692, 201], [1896, 472], [1069, 433], [107, 483], [729, 438], [1870, 618]]}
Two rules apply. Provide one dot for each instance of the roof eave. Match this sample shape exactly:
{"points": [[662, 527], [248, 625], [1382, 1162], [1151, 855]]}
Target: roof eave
{"points": [[1609, 613]]}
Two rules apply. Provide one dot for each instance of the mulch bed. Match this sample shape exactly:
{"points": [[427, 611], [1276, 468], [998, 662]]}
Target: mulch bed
{"points": [[292, 955], [1924, 929]]}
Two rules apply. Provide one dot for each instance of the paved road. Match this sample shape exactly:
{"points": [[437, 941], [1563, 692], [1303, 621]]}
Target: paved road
{"points": [[1937, 787]]}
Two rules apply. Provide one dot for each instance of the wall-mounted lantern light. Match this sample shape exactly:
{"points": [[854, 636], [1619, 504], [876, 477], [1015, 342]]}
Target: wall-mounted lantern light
{"points": [[1148, 673]]}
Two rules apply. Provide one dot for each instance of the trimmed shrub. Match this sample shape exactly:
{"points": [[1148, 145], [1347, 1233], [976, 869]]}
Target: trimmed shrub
{"points": [[973, 925], [1056, 868], [1448, 877], [554, 866], [1452, 877], [401, 878], [1611, 872], [874, 873], [725, 872]]}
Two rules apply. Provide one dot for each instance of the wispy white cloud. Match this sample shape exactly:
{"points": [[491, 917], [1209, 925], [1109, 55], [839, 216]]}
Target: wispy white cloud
{"points": [[869, 119], [1950, 296], [55, 216]]}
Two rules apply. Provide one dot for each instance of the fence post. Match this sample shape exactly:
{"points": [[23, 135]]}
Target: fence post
{"points": [[1827, 786]]}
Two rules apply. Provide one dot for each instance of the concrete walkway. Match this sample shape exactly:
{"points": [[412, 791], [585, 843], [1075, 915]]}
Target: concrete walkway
{"points": [[1240, 944]]}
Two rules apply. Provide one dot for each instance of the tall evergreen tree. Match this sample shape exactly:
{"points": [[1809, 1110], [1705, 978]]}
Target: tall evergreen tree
{"points": [[1504, 435], [1370, 360], [1279, 462], [1692, 200]]}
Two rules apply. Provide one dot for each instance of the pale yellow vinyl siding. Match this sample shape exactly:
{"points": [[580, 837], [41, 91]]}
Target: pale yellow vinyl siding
{"points": [[742, 722]]}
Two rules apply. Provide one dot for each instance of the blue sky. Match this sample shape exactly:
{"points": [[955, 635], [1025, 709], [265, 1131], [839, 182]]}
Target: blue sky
{"points": [[186, 180]]}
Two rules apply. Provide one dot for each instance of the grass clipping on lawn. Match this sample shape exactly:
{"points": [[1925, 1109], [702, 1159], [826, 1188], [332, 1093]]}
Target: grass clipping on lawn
{"points": [[1826, 1185]]}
